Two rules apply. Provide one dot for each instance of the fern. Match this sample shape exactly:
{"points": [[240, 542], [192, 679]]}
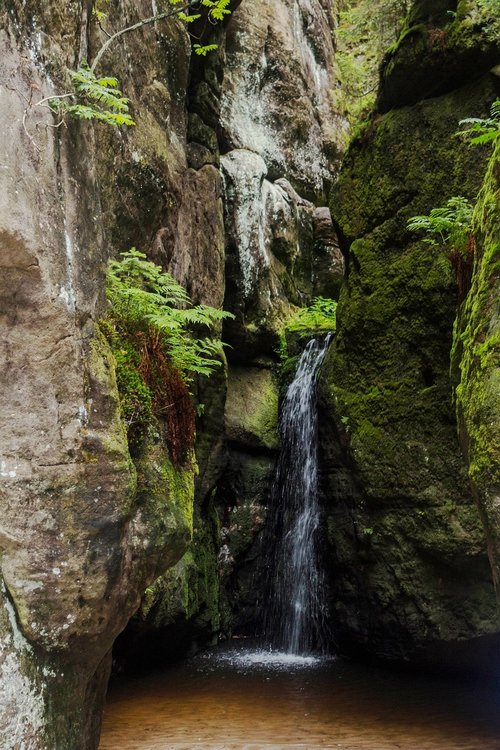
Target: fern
{"points": [[96, 99], [449, 226], [204, 50], [481, 131], [146, 299]]}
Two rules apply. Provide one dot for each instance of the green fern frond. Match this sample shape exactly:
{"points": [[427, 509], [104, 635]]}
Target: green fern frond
{"points": [[93, 99], [199, 50], [145, 298], [482, 131], [451, 223]]}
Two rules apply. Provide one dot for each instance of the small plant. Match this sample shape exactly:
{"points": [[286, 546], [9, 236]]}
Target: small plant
{"points": [[93, 99], [320, 315], [451, 227], [483, 131], [145, 299], [151, 331]]}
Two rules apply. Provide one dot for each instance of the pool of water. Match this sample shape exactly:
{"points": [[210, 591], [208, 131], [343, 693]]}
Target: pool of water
{"points": [[238, 698]]}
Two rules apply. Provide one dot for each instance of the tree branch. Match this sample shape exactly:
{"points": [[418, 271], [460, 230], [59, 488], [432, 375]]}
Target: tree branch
{"points": [[138, 25]]}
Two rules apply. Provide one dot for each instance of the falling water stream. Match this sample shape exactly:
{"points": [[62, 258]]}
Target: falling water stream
{"points": [[295, 615], [286, 695]]}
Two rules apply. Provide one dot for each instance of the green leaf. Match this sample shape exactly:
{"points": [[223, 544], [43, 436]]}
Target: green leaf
{"points": [[199, 50]]}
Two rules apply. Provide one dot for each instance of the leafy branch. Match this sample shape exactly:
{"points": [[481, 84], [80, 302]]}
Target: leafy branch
{"points": [[143, 22], [99, 98]]}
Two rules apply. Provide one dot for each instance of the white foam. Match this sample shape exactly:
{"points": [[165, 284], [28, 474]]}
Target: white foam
{"points": [[262, 659], [275, 659]]}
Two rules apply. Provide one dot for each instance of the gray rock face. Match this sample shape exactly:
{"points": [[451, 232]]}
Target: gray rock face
{"points": [[77, 550], [275, 97], [280, 139]]}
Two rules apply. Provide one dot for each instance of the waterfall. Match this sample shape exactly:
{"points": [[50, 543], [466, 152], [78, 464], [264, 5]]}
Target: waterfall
{"points": [[295, 615]]}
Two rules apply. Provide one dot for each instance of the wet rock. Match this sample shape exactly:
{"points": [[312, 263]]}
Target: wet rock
{"points": [[408, 562], [251, 413], [475, 366], [275, 99]]}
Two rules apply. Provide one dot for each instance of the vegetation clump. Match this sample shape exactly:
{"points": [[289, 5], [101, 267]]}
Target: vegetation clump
{"points": [[316, 319], [365, 30], [451, 227], [151, 329], [483, 130]]}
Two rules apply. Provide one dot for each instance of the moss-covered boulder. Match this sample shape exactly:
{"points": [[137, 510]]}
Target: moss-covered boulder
{"points": [[409, 561], [443, 45], [252, 408], [476, 363]]}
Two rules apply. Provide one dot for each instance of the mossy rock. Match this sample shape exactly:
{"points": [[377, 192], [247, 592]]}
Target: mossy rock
{"points": [[252, 408], [409, 565], [442, 46], [476, 363], [165, 494]]}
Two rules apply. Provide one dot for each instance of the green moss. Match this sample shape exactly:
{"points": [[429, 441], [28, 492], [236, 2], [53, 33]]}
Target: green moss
{"points": [[252, 407], [166, 495], [136, 398], [188, 593], [365, 29], [440, 45], [392, 460], [476, 359], [419, 30]]}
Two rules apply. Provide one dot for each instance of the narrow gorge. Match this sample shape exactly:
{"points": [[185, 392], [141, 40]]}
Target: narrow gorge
{"points": [[267, 159]]}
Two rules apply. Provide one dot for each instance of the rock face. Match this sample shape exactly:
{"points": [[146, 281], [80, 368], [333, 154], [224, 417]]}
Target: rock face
{"points": [[409, 571], [222, 181], [281, 141], [85, 528], [82, 529], [476, 364]]}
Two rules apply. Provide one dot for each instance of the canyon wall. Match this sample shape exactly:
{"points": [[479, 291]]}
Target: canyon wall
{"points": [[89, 521], [224, 181], [410, 575]]}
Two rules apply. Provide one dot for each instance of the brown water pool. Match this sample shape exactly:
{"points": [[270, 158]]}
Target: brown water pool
{"points": [[239, 699]]}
